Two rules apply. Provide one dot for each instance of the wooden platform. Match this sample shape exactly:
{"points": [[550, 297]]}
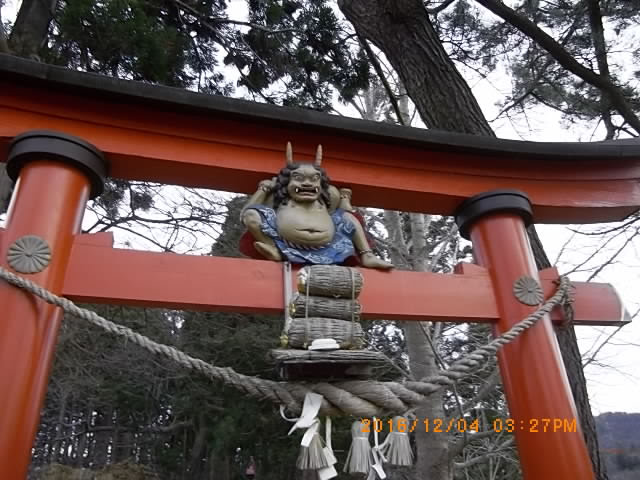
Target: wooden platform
{"points": [[295, 364]]}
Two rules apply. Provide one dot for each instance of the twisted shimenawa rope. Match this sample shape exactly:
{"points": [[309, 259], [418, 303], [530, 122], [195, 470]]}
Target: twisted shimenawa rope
{"points": [[364, 398]]}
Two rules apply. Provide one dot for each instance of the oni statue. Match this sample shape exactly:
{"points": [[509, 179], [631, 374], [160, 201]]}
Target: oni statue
{"points": [[300, 217]]}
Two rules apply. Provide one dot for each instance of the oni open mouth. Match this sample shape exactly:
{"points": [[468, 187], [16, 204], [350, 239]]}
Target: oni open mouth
{"points": [[307, 190]]}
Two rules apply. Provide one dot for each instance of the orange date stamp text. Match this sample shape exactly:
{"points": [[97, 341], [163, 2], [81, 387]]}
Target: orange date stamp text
{"points": [[462, 425]]}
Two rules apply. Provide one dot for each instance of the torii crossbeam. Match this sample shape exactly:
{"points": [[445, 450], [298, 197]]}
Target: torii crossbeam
{"points": [[176, 137]]}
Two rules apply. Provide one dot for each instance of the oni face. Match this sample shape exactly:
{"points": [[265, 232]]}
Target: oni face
{"points": [[305, 184]]}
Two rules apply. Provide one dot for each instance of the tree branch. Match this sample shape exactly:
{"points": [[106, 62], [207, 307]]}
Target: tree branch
{"points": [[565, 59], [535, 83], [487, 389], [610, 260], [4, 46], [593, 356], [383, 78], [256, 26], [484, 458], [439, 8], [600, 47], [633, 220], [456, 448], [107, 428], [393, 224]]}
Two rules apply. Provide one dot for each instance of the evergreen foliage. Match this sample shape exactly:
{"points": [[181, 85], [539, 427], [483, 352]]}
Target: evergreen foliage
{"points": [[289, 53], [538, 79], [301, 49], [131, 39]]}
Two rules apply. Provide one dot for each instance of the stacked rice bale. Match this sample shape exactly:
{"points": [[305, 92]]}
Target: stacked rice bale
{"points": [[326, 307]]}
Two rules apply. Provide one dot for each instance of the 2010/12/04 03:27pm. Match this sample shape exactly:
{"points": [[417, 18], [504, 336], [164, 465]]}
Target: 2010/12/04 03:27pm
{"points": [[460, 425]]}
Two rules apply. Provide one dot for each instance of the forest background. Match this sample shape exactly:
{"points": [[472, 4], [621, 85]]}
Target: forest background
{"points": [[563, 70]]}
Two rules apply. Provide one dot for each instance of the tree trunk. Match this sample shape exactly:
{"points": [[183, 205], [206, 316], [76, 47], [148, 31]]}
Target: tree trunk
{"points": [[83, 442], [4, 46], [102, 437], [59, 430], [6, 188], [432, 449], [123, 446], [402, 30], [29, 33], [198, 450]]}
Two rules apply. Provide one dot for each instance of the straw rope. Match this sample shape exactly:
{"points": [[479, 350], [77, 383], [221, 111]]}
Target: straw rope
{"points": [[360, 398]]}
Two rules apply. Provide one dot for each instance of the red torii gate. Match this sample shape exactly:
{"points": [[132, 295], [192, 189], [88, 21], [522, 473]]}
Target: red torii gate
{"points": [[173, 136]]}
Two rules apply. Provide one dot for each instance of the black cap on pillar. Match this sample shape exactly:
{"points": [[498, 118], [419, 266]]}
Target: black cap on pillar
{"points": [[50, 145], [511, 201]]}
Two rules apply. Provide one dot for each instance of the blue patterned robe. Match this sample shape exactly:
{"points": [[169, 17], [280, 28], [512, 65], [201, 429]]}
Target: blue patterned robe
{"points": [[337, 251]]}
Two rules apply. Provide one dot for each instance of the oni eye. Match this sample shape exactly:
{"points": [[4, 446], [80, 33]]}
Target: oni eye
{"points": [[316, 177], [296, 176]]}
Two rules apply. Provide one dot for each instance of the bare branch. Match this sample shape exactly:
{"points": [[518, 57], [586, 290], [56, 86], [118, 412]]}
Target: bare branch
{"points": [[601, 247], [393, 363], [485, 458], [564, 247], [599, 45], [224, 20], [634, 219], [613, 256], [564, 58], [393, 224], [439, 8], [456, 448], [4, 46], [487, 389], [383, 78], [593, 356]]}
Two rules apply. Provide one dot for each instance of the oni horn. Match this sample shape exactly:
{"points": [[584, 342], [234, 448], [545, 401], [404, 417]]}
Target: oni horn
{"points": [[289, 154], [318, 160]]}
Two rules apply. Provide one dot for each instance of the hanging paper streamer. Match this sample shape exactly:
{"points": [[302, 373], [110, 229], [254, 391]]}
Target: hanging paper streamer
{"points": [[397, 447], [328, 449], [313, 455], [359, 458], [376, 470], [328, 472]]}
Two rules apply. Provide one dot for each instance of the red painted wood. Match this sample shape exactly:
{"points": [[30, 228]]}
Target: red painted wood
{"points": [[533, 375], [222, 284], [49, 201], [154, 143], [145, 142], [592, 302], [230, 284]]}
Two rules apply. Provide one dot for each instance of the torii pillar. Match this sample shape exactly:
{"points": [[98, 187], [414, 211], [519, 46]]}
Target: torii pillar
{"points": [[533, 374], [56, 174]]}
